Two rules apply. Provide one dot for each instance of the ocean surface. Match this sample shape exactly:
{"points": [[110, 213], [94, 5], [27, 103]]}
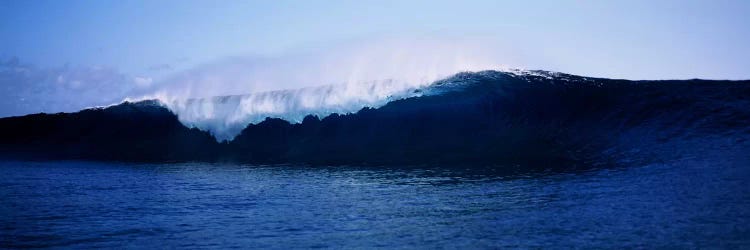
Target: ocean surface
{"points": [[685, 203]]}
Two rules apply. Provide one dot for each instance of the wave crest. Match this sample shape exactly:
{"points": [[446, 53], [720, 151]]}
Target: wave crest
{"points": [[226, 116]]}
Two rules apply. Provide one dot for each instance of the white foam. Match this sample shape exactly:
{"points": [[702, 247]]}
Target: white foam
{"points": [[225, 117]]}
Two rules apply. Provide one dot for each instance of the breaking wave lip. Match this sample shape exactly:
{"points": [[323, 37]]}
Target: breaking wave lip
{"points": [[226, 116]]}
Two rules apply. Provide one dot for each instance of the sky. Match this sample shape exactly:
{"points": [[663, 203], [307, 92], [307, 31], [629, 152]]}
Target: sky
{"points": [[66, 55]]}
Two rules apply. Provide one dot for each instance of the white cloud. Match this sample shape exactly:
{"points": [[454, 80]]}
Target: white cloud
{"points": [[143, 82], [26, 89]]}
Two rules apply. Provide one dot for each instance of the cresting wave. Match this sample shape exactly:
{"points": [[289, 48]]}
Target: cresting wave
{"points": [[224, 96], [225, 116], [518, 120]]}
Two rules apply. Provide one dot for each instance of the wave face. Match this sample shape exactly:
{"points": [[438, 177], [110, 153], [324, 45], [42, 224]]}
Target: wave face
{"points": [[516, 119], [224, 117]]}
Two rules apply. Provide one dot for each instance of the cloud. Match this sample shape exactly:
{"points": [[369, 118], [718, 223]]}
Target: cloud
{"points": [[160, 67], [25, 88], [143, 82]]}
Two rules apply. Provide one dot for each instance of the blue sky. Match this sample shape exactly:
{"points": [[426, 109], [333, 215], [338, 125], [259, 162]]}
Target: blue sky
{"points": [[143, 43]]}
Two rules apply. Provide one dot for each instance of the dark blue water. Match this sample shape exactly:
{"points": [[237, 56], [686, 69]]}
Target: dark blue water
{"points": [[684, 204]]}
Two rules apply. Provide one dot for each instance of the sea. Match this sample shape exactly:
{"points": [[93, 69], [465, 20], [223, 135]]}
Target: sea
{"points": [[686, 203]]}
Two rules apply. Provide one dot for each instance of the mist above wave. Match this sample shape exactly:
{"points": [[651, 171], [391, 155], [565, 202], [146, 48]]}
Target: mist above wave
{"points": [[226, 116], [225, 96]]}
